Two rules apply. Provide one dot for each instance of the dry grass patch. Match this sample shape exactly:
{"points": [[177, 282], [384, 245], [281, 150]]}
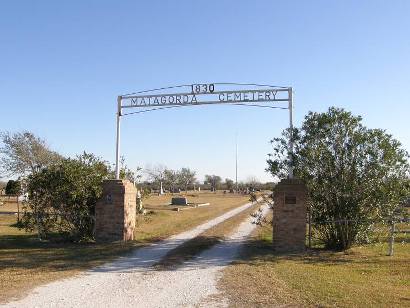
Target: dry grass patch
{"points": [[164, 222], [361, 277], [9, 205]]}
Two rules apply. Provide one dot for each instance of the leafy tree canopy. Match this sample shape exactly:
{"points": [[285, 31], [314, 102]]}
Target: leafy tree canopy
{"points": [[213, 180], [229, 184], [354, 175], [13, 187], [186, 177], [24, 153]]}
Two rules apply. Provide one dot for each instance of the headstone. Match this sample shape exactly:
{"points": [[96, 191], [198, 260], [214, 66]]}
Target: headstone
{"points": [[139, 202], [289, 216], [115, 212], [179, 201]]}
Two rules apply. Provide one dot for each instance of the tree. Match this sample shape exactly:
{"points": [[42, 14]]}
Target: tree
{"points": [[268, 186], [62, 197], [2, 186], [128, 174], [171, 178], [186, 177], [252, 182], [13, 187], [229, 184], [355, 175], [24, 153], [157, 175], [213, 180]]}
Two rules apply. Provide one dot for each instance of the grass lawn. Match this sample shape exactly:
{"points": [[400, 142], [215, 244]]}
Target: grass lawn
{"points": [[8, 205], [165, 221], [363, 276], [25, 262]]}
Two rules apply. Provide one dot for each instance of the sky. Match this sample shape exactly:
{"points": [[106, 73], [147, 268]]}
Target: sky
{"points": [[63, 64]]}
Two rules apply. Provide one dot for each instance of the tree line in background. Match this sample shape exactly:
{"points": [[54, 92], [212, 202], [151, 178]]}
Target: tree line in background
{"points": [[356, 177], [184, 179], [163, 178], [62, 192]]}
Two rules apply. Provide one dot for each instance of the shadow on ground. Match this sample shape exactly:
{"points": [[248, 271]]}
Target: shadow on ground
{"points": [[256, 250], [27, 252], [174, 255]]}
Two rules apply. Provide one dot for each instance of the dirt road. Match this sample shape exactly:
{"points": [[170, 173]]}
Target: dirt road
{"points": [[132, 281]]}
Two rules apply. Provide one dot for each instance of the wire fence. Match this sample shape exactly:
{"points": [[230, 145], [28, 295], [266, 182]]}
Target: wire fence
{"points": [[10, 205], [393, 230]]}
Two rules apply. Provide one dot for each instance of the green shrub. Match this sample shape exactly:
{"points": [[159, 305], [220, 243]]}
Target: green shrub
{"points": [[13, 187], [62, 197]]}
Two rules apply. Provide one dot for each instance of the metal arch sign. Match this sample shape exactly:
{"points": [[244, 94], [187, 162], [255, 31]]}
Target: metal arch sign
{"points": [[200, 94], [206, 94]]}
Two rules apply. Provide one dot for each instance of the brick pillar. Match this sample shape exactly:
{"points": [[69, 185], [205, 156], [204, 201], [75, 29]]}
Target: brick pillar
{"points": [[289, 216], [115, 212]]}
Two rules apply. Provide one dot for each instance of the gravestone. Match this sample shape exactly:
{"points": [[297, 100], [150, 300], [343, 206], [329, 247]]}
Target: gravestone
{"points": [[179, 201], [115, 212], [289, 216]]}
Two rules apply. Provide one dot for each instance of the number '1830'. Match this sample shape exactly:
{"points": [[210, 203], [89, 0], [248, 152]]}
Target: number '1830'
{"points": [[203, 88]]}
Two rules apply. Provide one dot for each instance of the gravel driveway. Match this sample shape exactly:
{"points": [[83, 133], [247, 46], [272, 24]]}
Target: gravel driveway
{"points": [[132, 282]]}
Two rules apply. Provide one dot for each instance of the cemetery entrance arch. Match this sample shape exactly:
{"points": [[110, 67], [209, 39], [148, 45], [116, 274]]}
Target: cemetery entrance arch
{"points": [[254, 95], [115, 212]]}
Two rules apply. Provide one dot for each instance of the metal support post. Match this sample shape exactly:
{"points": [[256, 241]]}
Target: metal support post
{"points": [[117, 150], [290, 95]]}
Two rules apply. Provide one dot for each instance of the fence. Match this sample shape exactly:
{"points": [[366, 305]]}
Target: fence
{"points": [[9, 205], [390, 230]]}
